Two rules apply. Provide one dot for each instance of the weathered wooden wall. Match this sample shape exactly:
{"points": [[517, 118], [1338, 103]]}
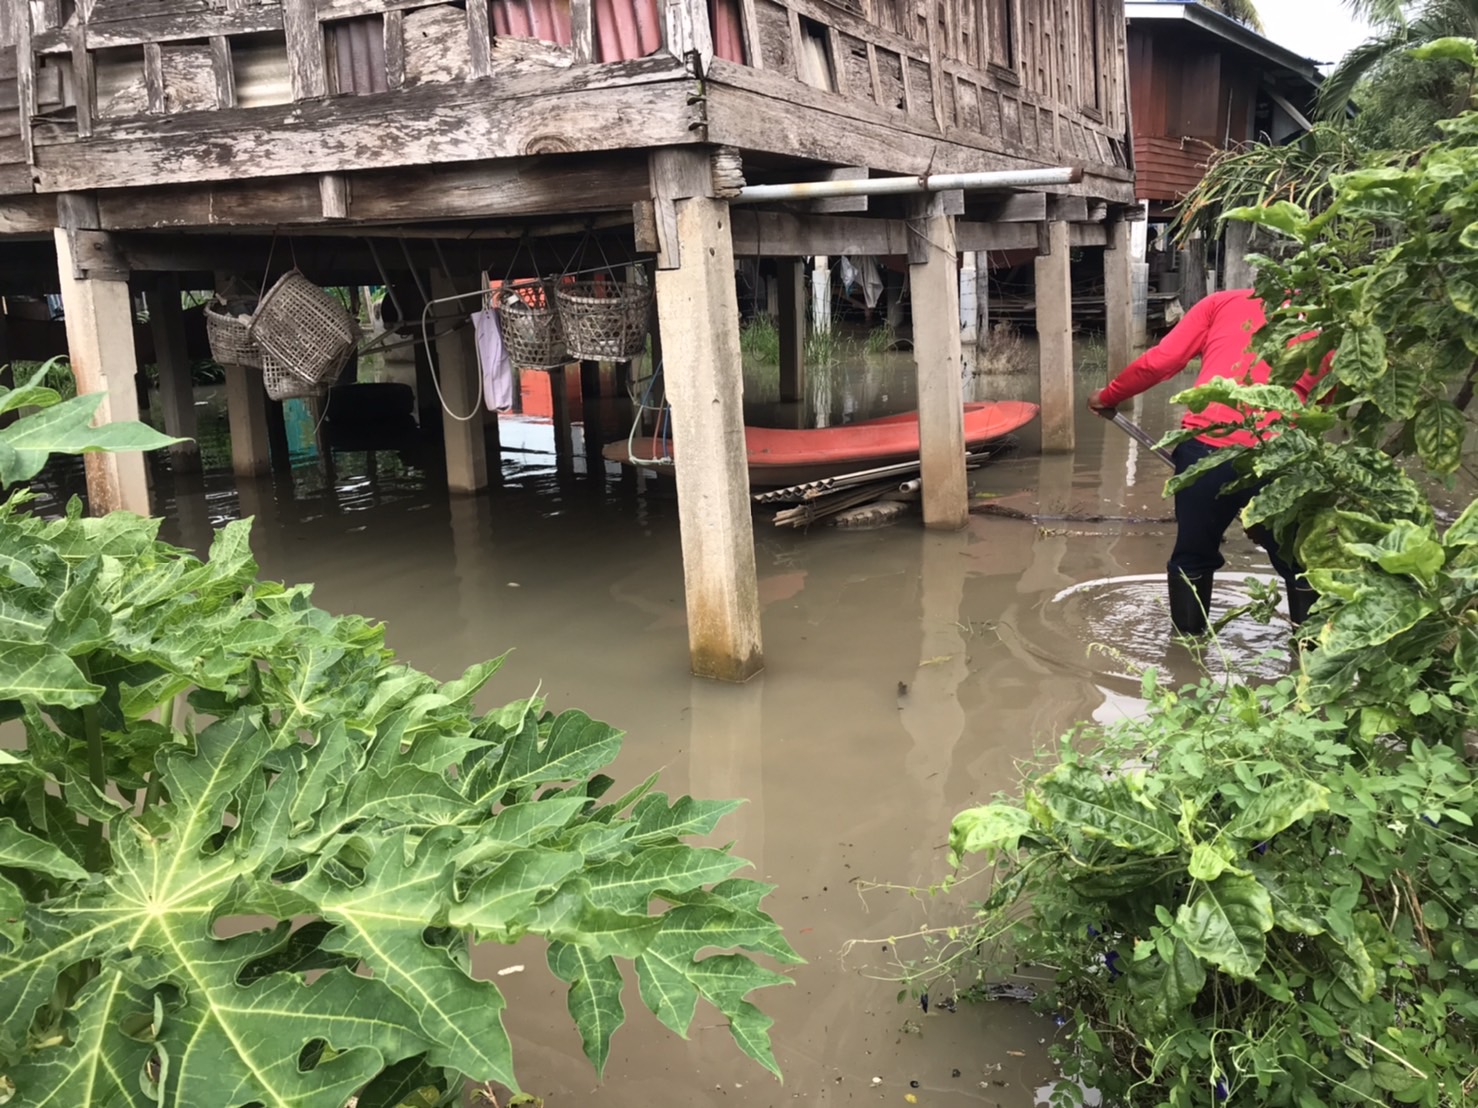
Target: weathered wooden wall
{"points": [[143, 93]]}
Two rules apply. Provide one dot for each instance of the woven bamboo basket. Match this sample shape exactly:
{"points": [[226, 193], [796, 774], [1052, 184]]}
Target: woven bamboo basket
{"points": [[604, 320], [530, 322], [284, 384], [304, 329], [230, 337]]}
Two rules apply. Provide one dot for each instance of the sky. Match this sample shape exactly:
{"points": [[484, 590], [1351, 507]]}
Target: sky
{"points": [[1318, 29]]}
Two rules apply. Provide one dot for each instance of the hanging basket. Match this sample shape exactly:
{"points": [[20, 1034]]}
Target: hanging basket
{"points": [[604, 320], [284, 384], [304, 329], [229, 335], [530, 322]]}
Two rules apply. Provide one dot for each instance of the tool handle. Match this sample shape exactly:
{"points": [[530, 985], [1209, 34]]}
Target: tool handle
{"points": [[1135, 432]]}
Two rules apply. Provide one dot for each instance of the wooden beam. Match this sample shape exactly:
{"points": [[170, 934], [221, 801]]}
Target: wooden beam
{"points": [[255, 19], [154, 77], [84, 86], [307, 65], [792, 282], [27, 215], [511, 188], [333, 195], [176, 390], [938, 363], [479, 39], [1054, 296], [25, 63], [395, 50], [222, 70], [582, 31], [699, 311], [645, 103]]}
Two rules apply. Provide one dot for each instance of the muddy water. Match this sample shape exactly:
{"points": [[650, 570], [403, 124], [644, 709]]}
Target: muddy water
{"points": [[907, 675]]}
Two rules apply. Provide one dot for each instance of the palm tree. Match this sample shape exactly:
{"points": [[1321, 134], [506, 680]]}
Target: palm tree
{"points": [[1396, 32], [1243, 11]]}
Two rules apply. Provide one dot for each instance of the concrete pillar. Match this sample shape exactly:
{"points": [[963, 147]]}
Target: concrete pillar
{"points": [[938, 362], [1140, 279], [982, 297], [461, 387], [969, 310], [246, 411], [1054, 294], [699, 312], [100, 342], [1118, 297], [176, 390], [792, 285], [1237, 270]]}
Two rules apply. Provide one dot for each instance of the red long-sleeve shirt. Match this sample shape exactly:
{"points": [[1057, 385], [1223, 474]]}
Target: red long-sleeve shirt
{"points": [[1220, 330]]}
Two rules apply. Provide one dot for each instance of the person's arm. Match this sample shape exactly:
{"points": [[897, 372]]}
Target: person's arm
{"points": [[1161, 362]]}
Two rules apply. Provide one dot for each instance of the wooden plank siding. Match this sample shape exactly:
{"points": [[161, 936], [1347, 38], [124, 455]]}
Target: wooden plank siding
{"points": [[908, 85]]}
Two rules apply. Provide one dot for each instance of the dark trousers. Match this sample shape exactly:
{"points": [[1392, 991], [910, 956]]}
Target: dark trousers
{"points": [[1203, 514]]}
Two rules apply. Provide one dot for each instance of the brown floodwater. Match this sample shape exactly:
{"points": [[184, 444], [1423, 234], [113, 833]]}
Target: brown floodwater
{"points": [[907, 676]]}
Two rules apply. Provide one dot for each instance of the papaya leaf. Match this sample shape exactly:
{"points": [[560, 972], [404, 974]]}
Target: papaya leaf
{"points": [[66, 428], [594, 999]]}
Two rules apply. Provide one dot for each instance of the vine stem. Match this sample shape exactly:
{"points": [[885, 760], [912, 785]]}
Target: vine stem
{"points": [[156, 782], [96, 770]]}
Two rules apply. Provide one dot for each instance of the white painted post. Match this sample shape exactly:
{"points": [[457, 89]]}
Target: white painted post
{"points": [[99, 324], [939, 363], [699, 312], [176, 389], [461, 388], [969, 309], [792, 303], [821, 295], [1054, 294], [1118, 297]]}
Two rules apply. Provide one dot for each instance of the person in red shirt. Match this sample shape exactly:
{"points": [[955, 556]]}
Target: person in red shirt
{"points": [[1219, 330]]}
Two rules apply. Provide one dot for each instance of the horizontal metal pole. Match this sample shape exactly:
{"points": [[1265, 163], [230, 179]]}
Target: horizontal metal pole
{"points": [[892, 186]]}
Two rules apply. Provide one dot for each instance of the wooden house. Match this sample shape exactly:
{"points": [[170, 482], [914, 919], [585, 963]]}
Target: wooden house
{"points": [[149, 145], [1200, 82]]}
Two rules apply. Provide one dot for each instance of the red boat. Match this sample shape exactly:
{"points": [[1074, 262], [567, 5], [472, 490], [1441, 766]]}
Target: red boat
{"points": [[780, 457]]}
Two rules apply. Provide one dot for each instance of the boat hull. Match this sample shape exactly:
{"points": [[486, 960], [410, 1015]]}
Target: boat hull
{"points": [[778, 457]]}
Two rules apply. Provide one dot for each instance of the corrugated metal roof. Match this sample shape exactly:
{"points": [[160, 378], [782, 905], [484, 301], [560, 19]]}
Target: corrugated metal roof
{"points": [[359, 54]]}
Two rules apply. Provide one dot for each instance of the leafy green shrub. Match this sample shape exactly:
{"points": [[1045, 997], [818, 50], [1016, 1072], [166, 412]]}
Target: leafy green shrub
{"points": [[1239, 903], [243, 851]]}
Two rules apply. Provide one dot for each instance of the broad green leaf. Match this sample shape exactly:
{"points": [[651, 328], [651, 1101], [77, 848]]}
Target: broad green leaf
{"points": [[1408, 548], [1375, 618], [1282, 216], [1108, 809], [1226, 924], [671, 984], [654, 821], [577, 745], [1440, 431], [66, 428], [628, 885], [383, 918], [1165, 988], [43, 674], [1452, 49], [1464, 530], [498, 903], [1277, 807], [21, 850], [1361, 357], [994, 827], [594, 999], [1209, 861]]}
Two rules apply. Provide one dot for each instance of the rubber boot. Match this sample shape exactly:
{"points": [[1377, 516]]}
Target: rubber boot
{"points": [[1301, 597], [1190, 602]]}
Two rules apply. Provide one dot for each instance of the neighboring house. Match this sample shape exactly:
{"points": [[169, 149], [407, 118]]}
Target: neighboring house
{"points": [[1201, 82]]}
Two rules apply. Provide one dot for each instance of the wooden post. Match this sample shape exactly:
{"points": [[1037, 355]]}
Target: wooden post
{"points": [[1054, 295], [699, 311], [792, 284], [278, 444], [1193, 272], [1237, 271], [461, 389], [934, 275], [1118, 291], [176, 390], [590, 379], [246, 412], [100, 341]]}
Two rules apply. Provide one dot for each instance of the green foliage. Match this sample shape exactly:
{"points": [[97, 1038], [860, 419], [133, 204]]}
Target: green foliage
{"points": [[243, 850], [759, 341], [1242, 903]]}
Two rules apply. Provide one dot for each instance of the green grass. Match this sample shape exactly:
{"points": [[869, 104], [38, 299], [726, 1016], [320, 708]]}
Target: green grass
{"points": [[759, 341], [880, 340]]}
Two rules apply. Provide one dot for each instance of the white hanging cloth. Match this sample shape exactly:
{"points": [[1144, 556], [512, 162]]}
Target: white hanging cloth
{"points": [[492, 356]]}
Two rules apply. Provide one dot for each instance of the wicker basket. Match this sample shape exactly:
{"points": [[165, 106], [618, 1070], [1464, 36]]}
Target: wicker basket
{"points": [[304, 329], [604, 320], [532, 332], [284, 384], [230, 337]]}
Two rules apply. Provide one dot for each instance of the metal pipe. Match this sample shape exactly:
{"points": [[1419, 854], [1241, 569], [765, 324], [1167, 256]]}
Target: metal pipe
{"points": [[893, 186]]}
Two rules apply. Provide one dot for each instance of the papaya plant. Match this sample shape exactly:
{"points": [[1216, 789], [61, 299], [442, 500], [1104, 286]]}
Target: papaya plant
{"points": [[244, 852]]}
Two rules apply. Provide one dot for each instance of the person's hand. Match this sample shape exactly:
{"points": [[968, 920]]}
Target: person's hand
{"points": [[1096, 404]]}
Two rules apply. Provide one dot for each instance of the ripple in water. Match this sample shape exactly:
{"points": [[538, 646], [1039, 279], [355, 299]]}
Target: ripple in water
{"points": [[1125, 622]]}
